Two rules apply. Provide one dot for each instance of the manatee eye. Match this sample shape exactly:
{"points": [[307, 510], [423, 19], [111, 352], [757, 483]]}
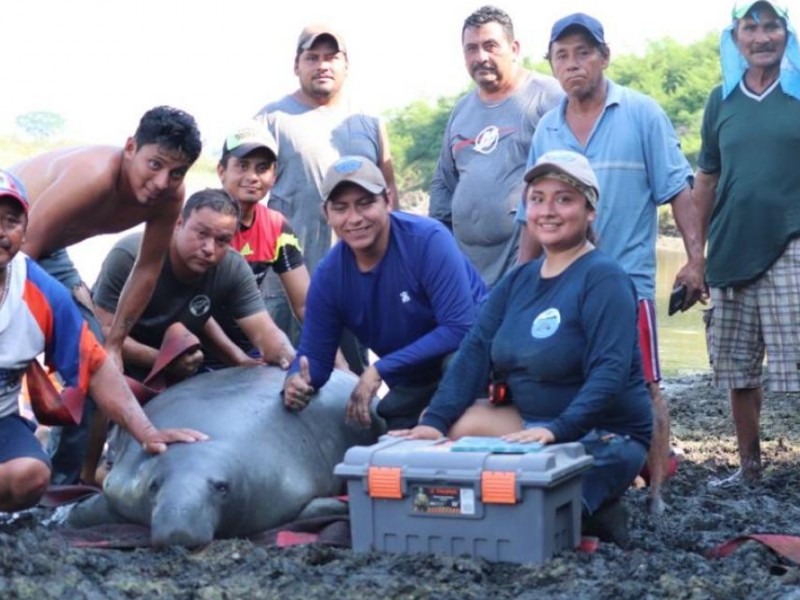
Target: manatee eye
{"points": [[153, 487], [221, 487]]}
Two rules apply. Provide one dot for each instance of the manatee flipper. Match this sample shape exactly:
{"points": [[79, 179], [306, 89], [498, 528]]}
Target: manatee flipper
{"points": [[91, 512], [323, 507]]}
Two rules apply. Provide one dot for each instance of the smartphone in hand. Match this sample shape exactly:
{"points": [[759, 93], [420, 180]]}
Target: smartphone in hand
{"points": [[676, 299]]}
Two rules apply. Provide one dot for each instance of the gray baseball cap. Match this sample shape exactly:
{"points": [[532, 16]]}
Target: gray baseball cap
{"points": [[311, 33], [573, 166], [354, 169]]}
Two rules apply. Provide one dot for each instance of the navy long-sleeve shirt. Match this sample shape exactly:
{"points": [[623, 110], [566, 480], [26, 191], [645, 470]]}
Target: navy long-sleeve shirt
{"points": [[567, 346], [411, 309]]}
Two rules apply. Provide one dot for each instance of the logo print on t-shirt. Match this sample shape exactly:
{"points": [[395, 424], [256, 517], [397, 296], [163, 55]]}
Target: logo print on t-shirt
{"points": [[486, 141], [546, 323], [199, 305]]}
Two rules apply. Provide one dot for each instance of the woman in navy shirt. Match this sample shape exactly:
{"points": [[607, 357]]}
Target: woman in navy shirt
{"points": [[560, 333]]}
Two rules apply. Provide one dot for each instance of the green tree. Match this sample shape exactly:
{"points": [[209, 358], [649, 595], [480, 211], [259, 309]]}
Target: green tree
{"points": [[415, 134], [679, 77], [41, 124]]}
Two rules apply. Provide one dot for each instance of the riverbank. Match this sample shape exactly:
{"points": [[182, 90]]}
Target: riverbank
{"points": [[667, 559]]}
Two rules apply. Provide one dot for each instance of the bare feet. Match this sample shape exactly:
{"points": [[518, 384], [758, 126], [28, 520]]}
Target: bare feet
{"points": [[750, 477], [656, 505]]}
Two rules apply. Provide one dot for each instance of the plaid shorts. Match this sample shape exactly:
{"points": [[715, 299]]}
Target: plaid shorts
{"points": [[762, 318]]}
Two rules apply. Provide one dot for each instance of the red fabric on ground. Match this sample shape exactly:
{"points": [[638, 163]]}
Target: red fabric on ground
{"points": [[788, 546]]}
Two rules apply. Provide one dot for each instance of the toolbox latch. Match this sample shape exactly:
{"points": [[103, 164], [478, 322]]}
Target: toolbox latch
{"points": [[384, 482], [499, 487]]}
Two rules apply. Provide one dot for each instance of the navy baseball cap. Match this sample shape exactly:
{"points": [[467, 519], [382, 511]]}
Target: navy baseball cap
{"points": [[590, 24]]}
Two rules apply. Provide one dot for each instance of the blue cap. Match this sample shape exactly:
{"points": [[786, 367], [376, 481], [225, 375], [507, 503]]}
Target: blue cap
{"points": [[588, 23]]}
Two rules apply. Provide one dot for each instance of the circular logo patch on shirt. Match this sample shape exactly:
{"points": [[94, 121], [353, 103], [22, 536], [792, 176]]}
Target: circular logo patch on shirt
{"points": [[487, 140], [200, 305], [546, 323]]}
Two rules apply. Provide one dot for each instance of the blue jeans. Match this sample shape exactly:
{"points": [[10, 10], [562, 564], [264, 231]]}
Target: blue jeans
{"points": [[68, 444], [618, 459]]}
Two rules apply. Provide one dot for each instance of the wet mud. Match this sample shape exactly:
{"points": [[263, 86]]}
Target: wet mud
{"points": [[667, 559]]}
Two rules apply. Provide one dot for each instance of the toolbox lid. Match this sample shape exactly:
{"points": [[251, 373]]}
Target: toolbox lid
{"points": [[435, 460]]}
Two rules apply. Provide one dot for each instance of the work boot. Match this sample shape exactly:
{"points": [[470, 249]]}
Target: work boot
{"points": [[609, 523]]}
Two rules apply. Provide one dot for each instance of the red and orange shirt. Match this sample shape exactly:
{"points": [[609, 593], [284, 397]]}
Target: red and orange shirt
{"points": [[38, 315]]}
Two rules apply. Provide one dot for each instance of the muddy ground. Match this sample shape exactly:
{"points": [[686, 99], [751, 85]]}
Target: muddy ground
{"points": [[667, 559]]}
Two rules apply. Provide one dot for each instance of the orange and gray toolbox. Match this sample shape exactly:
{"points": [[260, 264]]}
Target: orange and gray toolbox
{"points": [[423, 496]]}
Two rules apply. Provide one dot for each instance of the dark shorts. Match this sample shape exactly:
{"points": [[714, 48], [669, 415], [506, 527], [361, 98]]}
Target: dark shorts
{"points": [[17, 440], [403, 405], [648, 341]]}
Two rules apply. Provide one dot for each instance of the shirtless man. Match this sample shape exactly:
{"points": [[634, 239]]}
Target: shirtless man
{"points": [[29, 300], [78, 193]]}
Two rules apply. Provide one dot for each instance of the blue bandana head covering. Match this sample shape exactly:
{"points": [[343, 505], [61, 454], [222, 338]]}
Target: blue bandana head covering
{"points": [[734, 64]]}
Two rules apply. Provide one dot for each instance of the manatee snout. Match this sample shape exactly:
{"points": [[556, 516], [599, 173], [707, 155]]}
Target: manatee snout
{"points": [[180, 526], [186, 515]]}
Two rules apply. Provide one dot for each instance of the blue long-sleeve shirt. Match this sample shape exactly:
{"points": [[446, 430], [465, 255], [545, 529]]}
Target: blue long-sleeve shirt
{"points": [[412, 309], [567, 347]]}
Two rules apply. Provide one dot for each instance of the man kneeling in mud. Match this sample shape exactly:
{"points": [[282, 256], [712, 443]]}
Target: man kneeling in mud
{"points": [[199, 277], [37, 315]]}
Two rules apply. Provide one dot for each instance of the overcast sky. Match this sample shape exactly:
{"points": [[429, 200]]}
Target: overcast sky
{"points": [[102, 63]]}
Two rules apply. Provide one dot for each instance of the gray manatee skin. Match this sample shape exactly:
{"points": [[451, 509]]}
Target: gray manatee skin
{"points": [[261, 466]]}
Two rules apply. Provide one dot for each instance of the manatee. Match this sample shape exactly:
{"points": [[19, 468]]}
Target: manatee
{"points": [[262, 467]]}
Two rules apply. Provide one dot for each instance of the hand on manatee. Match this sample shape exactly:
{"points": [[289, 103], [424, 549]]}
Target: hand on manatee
{"points": [[156, 442], [186, 364], [249, 361], [534, 434], [297, 389], [361, 398], [420, 432]]}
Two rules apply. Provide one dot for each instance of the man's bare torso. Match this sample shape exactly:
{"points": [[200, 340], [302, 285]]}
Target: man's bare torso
{"points": [[77, 193]]}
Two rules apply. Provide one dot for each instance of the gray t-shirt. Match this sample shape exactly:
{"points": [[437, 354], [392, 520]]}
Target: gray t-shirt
{"points": [[311, 139], [229, 286], [478, 181]]}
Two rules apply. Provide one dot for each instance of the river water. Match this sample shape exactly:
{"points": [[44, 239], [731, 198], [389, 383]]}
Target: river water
{"points": [[681, 337]]}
